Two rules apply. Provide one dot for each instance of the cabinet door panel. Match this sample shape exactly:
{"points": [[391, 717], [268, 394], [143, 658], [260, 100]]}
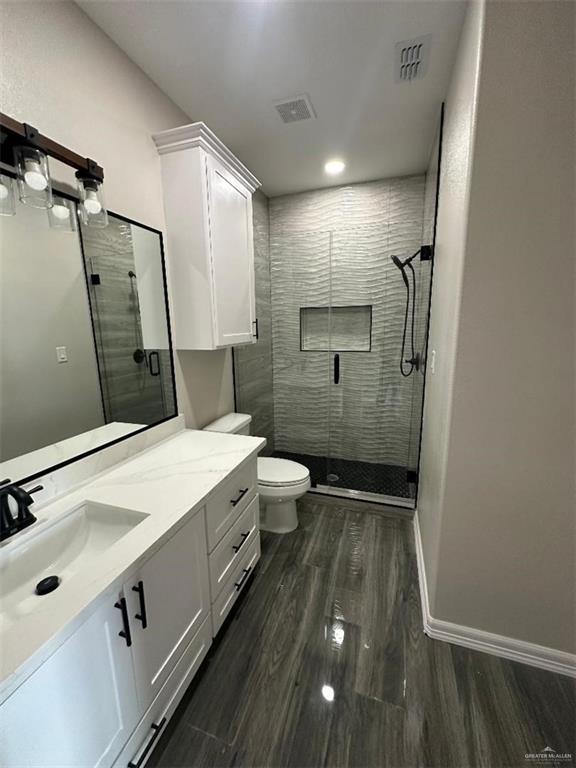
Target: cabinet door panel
{"points": [[175, 598], [230, 212], [79, 707]]}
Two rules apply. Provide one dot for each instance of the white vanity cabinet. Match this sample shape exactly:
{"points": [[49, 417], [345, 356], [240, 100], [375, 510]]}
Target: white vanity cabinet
{"points": [[84, 703], [208, 208], [80, 706], [104, 696], [167, 601]]}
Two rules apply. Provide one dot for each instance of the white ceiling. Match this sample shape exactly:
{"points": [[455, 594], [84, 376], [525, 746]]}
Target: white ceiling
{"points": [[226, 63]]}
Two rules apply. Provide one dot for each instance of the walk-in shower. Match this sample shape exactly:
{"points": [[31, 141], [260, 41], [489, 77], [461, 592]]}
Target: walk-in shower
{"points": [[336, 380]]}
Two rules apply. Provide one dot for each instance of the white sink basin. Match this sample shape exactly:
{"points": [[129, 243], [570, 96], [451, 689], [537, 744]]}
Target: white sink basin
{"points": [[61, 548]]}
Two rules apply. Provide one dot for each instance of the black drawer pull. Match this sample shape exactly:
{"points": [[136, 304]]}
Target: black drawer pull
{"points": [[243, 536], [125, 633], [240, 584], [142, 615], [156, 729], [240, 496]]}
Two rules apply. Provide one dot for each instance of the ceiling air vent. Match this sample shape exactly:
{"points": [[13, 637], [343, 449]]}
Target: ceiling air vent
{"points": [[412, 57], [295, 109]]}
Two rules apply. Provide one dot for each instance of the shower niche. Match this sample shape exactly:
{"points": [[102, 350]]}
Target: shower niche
{"points": [[342, 329]]}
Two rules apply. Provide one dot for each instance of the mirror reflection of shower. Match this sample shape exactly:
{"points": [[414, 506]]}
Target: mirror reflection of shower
{"points": [[139, 356], [413, 363]]}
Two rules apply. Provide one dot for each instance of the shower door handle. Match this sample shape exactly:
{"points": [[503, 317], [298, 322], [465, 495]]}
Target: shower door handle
{"points": [[336, 369], [154, 371]]}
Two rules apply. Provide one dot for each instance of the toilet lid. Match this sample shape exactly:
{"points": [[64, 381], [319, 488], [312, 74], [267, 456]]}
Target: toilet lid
{"points": [[277, 472]]}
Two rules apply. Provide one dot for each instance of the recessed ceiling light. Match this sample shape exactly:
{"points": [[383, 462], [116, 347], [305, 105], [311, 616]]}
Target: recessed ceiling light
{"points": [[334, 167]]}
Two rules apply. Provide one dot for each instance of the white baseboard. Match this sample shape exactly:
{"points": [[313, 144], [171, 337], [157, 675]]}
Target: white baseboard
{"points": [[499, 645]]}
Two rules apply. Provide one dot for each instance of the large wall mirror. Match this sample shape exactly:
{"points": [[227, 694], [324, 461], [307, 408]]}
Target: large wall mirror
{"points": [[85, 349]]}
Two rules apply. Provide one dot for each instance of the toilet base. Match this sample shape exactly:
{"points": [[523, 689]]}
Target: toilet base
{"points": [[280, 517]]}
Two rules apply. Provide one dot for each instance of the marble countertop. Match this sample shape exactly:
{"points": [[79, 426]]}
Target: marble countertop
{"points": [[169, 482]]}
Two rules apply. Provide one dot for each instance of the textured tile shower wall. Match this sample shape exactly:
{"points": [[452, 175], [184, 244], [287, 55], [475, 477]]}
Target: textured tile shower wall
{"points": [[253, 363], [333, 247]]}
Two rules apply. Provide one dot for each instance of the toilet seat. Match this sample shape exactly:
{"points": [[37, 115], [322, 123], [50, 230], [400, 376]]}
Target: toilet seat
{"points": [[281, 473]]}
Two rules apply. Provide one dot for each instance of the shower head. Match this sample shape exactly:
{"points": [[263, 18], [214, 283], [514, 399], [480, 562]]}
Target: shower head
{"points": [[131, 274], [400, 264]]}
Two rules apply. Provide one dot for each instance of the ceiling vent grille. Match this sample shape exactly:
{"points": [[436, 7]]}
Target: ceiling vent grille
{"points": [[412, 57], [295, 109]]}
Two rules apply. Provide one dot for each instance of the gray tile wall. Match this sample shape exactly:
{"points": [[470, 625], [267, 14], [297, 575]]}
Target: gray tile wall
{"points": [[333, 247], [253, 363]]}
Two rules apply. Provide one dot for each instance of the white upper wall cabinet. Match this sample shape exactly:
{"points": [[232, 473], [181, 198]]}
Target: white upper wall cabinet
{"points": [[208, 207]]}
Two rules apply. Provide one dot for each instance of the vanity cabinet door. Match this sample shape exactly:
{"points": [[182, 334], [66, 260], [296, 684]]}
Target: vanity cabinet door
{"points": [[80, 706], [231, 245], [168, 599]]}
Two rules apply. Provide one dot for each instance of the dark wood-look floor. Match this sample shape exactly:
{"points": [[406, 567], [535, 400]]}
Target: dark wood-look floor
{"points": [[334, 611]]}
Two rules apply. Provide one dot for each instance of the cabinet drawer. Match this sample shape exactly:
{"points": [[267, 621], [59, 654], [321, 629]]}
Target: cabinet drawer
{"points": [[149, 730], [231, 590], [229, 502], [231, 548]]}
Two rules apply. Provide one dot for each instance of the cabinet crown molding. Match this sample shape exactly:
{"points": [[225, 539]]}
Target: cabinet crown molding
{"points": [[199, 135]]}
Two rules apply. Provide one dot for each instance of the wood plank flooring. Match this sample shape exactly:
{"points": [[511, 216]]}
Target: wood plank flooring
{"points": [[324, 663]]}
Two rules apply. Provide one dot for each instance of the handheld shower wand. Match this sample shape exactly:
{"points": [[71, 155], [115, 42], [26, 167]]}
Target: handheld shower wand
{"points": [[414, 359]]}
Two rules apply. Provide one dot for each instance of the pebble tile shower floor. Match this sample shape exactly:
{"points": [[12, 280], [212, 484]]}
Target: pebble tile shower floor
{"points": [[384, 479], [324, 663]]}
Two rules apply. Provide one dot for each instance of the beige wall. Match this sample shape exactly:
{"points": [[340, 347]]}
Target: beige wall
{"points": [[497, 504], [62, 74]]}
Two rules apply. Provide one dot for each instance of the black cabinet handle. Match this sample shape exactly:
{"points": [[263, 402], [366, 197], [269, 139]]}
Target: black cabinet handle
{"points": [[336, 369], [255, 324], [240, 496], [154, 356], [243, 536], [240, 584], [156, 728], [125, 633], [142, 615]]}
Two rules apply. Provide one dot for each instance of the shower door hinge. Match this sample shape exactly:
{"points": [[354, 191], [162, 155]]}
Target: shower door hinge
{"points": [[255, 324], [426, 253], [412, 476]]}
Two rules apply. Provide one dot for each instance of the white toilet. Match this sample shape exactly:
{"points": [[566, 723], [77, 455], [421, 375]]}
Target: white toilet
{"points": [[280, 481]]}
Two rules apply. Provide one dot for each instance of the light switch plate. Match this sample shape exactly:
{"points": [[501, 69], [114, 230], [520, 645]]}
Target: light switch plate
{"points": [[62, 354]]}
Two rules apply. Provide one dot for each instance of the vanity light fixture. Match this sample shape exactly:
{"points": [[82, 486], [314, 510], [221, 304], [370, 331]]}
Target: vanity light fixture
{"points": [[62, 215], [7, 198], [92, 209], [34, 184], [25, 149], [334, 167]]}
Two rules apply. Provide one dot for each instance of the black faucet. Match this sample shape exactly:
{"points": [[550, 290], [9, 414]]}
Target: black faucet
{"points": [[11, 523]]}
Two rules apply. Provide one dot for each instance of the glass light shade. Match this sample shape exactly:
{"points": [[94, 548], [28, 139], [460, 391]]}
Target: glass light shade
{"points": [[92, 208], [62, 215], [7, 198], [34, 184]]}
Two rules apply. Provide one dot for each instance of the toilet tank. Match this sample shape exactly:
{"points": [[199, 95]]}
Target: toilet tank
{"points": [[233, 423]]}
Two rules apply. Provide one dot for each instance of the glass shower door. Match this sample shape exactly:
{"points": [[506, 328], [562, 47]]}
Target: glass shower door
{"points": [[300, 295], [369, 400]]}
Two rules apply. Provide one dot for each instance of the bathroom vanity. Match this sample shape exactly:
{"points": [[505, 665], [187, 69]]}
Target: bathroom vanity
{"points": [[152, 555]]}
